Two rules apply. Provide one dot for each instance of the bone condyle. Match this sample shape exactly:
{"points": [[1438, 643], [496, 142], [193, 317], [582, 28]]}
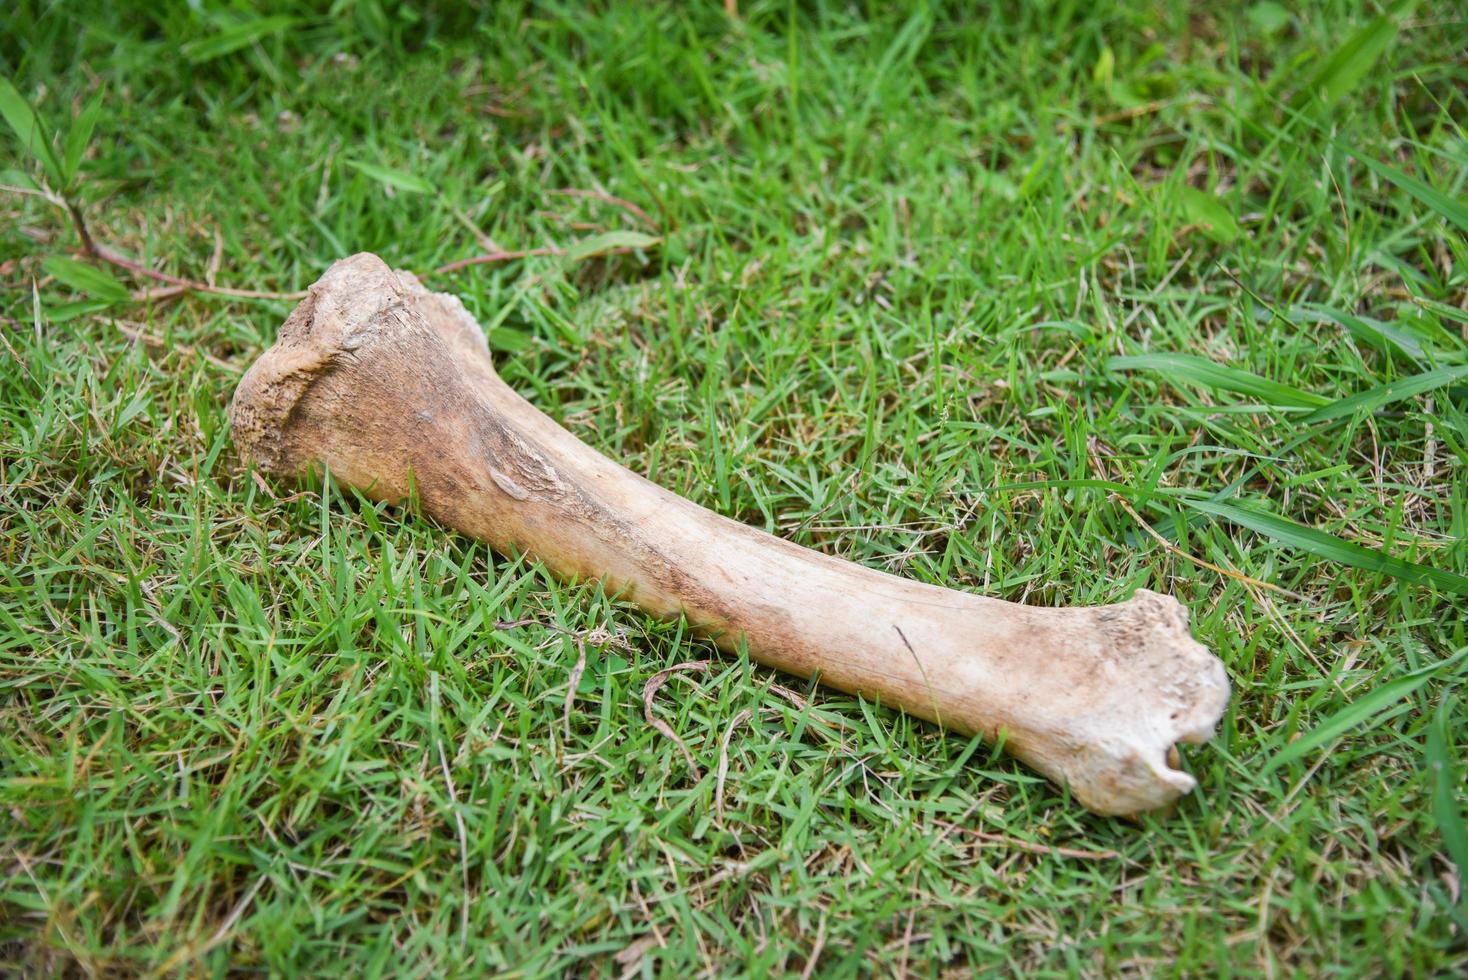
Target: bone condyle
{"points": [[391, 388]]}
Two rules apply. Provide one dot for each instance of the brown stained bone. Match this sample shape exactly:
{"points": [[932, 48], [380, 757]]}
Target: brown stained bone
{"points": [[391, 388]]}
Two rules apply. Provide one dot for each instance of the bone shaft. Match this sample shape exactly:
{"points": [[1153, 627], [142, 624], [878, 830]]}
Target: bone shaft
{"points": [[860, 630]]}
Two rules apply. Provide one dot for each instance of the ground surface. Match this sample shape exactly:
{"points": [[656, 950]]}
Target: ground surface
{"points": [[904, 262]]}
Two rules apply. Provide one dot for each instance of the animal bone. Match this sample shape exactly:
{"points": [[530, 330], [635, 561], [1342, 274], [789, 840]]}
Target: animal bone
{"points": [[391, 388]]}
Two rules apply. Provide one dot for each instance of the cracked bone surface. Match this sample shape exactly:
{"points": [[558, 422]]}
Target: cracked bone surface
{"points": [[391, 388]]}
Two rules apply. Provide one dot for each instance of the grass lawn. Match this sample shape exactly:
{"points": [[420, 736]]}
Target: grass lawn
{"points": [[1049, 303]]}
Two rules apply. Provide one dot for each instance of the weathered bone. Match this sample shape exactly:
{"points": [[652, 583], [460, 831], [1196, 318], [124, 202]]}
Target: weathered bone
{"points": [[392, 389]]}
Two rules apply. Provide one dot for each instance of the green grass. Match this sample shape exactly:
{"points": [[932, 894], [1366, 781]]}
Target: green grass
{"points": [[941, 293]]}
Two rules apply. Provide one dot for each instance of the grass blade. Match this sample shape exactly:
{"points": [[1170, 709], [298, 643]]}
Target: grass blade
{"points": [[1207, 211], [606, 242], [1374, 398], [11, 177], [1330, 547], [1379, 334], [1447, 785], [85, 278], [22, 119], [1358, 712], [411, 183], [70, 311], [1441, 309], [233, 38], [1449, 208], [1203, 373], [1349, 63], [78, 137]]}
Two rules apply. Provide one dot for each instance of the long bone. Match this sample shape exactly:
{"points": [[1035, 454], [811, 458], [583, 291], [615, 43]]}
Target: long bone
{"points": [[391, 388]]}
